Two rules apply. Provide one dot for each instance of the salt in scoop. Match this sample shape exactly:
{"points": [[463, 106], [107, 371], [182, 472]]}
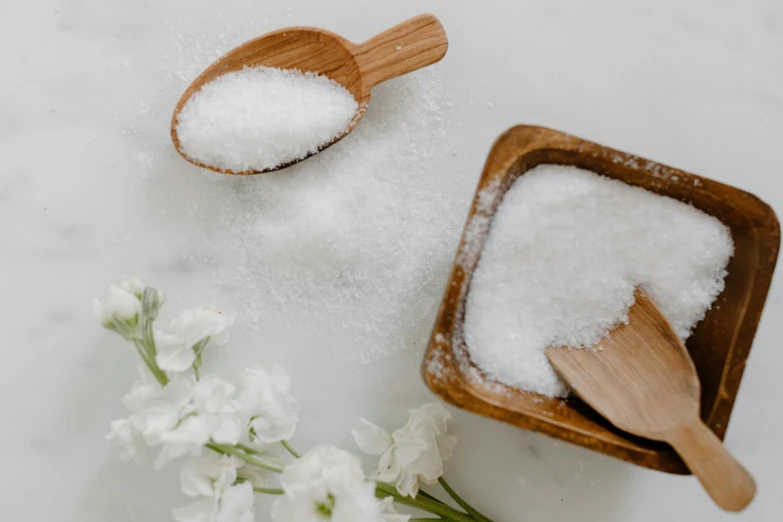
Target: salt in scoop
{"points": [[406, 47]]}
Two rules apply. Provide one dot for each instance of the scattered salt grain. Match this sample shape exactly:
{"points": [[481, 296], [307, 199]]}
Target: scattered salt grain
{"points": [[393, 194], [359, 239], [564, 253], [262, 117]]}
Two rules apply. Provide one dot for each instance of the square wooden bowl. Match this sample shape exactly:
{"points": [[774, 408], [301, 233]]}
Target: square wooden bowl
{"points": [[719, 345]]}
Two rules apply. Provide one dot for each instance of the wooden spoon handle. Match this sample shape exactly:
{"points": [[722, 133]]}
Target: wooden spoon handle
{"points": [[406, 47], [726, 481]]}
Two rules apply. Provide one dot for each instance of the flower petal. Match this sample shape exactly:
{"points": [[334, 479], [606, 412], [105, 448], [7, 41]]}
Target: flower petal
{"points": [[133, 285], [130, 442], [258, 477], [360, 505], [371, 438], [236, 504], [173, 356], [226, 428], [194, 482]]}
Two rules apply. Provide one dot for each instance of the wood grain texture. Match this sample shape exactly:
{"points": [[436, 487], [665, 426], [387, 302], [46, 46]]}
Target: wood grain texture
{"points": [[719, 345], [406, 47], [643, 381], [640, 377], [727, 482], [409, 46]]}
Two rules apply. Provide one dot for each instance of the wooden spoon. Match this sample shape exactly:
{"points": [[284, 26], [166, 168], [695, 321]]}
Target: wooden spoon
{"points": [[643, 381], [411, 45]]}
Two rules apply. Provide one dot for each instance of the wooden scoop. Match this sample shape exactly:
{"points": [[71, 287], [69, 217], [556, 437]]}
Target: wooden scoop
{"points": [[643, 381], [411, 45]]}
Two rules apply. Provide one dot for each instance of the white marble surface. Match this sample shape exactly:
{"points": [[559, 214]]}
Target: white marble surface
{"points": [[90, 189]]}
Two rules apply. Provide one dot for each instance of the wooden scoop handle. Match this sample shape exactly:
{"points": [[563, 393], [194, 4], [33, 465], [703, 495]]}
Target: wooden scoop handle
{"points": [[726, 481], [415, 43]]}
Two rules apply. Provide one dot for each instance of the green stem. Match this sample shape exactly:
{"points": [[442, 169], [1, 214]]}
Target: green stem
{"points": [[467, 507], [156, 372], [269, 491], [143, 354], [425, 504], [255, 460], [150, 338], [291, 450], [198, 349], [427, 495], [250, 450], [147, 345], [266, 491], [256, 453]]}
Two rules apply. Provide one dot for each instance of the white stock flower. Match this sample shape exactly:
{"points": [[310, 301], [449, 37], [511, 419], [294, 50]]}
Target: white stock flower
{"points": [[158, 410], [176, 349], [411, 454], [270, 411], [211, 416], [130, 442], [207, 476], [120, 311], [133, 285], [181, 417], [213, 477], [259, 477], [327, 483], [213, 400], [154, 411]]}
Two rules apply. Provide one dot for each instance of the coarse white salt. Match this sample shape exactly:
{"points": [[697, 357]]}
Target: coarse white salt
{"points": [[359, 239], [565, 251], [370, 284], [261, 117]]}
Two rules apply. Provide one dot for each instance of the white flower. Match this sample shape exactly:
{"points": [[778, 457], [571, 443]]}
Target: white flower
{"points": [[271, 412], [192, 328], [410, 454], [234, 505], [133, 285], [187, 438], [211, 416], [158, 410], [213, 477], [327, 483], [130, 442], [155, 410], [257, 476], [119, 312], [181, 417], [208, 476], [371, 438]]}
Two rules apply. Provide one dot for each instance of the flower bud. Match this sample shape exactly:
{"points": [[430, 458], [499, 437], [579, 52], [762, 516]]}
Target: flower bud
{"points": [[151, 301]]}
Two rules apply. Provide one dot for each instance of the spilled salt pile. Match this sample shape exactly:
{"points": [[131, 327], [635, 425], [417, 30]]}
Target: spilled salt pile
{"points": [[355, 243], [262, 117], [565, 250]]}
